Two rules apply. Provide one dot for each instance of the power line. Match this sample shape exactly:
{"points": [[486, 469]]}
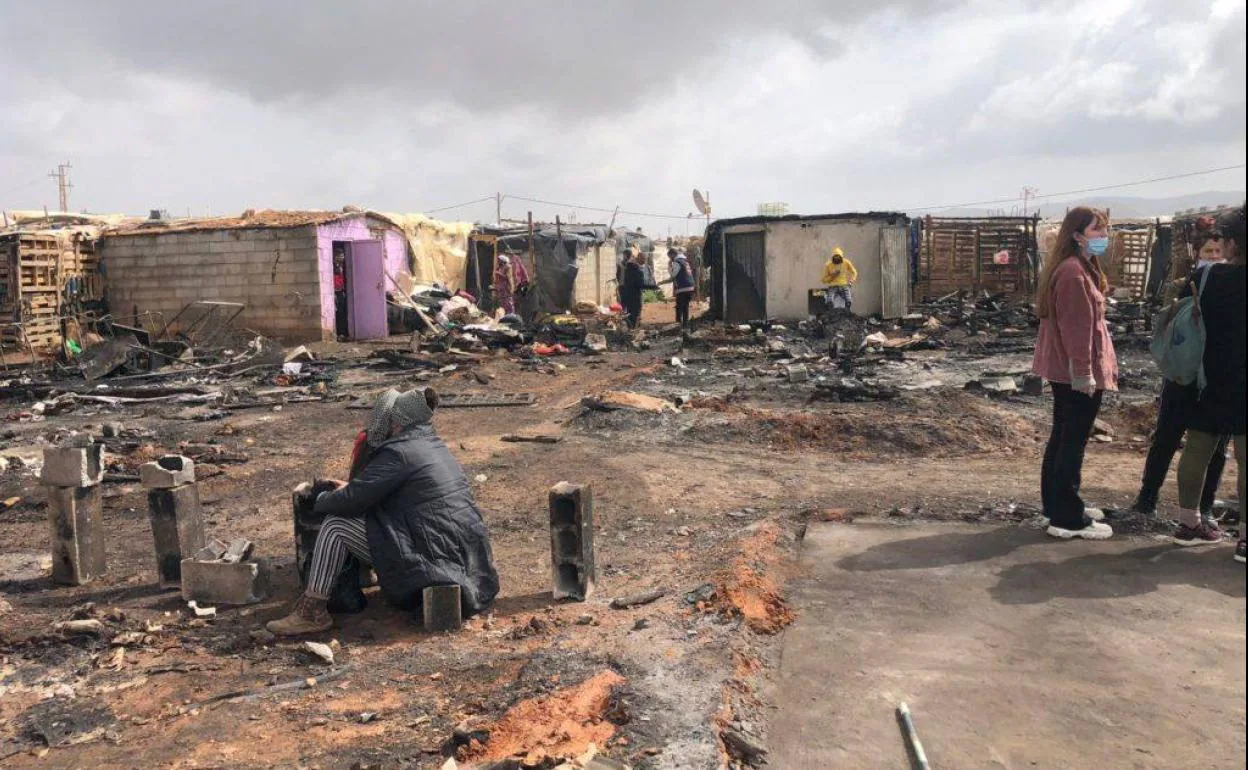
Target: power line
{"points": [[1079, 192], [460, 205], [1030, 196], [598, 208]]}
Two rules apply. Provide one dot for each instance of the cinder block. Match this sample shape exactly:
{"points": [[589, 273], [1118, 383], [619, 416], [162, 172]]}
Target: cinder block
{"points": [[441, 608], [73, 466], [572, 540], [76, 515], [219, 582], [167, 472], [177, 528]]}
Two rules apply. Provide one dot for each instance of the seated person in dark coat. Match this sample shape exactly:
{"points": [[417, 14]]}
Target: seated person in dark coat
{"points": [[409, 512]]}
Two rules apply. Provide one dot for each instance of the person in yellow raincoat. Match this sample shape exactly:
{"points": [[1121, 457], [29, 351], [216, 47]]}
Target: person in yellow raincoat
{"points": [[839, 275]]}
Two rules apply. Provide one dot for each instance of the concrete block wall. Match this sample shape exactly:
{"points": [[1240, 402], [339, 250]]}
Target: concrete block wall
{"points": [[274, 272], [593, 281]]}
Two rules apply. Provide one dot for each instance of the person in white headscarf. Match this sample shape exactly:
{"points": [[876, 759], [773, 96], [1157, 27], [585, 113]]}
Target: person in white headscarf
{"points": [[409, 512]]}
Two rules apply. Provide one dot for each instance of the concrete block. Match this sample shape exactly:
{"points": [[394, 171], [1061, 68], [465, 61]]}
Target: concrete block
{"points": [[177, 528], [441, 608], [167, 472], [572, 541], [76, 515], [219, 582], [73, 466]]}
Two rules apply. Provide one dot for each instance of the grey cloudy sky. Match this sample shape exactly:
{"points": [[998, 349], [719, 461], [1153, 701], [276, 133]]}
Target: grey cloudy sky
{"points": [[830, 106]]}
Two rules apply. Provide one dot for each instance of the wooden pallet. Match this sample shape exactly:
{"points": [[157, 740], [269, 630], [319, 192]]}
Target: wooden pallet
{"points": [[481, 399], [34, 271]]}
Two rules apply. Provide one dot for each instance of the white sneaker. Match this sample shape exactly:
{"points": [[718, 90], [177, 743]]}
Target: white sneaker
{"points": [[1094, 531], [1095, 514]]}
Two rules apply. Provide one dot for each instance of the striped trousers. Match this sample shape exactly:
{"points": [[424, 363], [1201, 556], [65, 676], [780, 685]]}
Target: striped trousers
{"points": [[338, 537]]}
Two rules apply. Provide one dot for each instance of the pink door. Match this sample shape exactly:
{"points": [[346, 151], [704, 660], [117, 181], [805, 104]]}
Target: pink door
{"points": [[366, 290]]}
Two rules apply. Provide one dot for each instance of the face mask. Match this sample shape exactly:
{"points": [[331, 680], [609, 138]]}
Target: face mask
{"points": [[1098, 246]]}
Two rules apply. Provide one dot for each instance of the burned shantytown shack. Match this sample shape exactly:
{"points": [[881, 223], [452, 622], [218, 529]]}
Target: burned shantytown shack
{"points": [[284, 267], [766, 267], [566, 263]]}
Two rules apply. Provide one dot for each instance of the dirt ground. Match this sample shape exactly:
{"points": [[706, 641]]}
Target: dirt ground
{"points": [[1011, 650], [706, 503]]}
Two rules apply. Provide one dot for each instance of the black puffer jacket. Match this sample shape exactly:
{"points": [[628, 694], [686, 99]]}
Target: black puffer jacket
{"points": [[424, 528], [1220, 409]]}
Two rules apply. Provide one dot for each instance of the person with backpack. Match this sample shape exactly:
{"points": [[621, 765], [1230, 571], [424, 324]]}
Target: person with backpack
{"points": [[683, 283], [1075, 354], [1175, 408], [1220, 409]]}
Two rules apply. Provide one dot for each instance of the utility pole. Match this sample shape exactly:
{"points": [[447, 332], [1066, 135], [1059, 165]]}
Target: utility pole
{"points": [[63, 186], [1028, 194], [498, 208]]}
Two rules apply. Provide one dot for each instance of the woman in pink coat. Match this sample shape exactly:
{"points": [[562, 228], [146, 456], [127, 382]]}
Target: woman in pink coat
{"points": [[1075, 354]]}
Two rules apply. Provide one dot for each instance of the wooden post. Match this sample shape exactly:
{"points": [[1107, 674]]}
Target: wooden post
{"points": [[532, 255]]}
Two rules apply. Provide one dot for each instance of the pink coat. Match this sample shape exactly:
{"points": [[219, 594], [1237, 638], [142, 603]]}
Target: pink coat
{"points": [[1074, 342]]}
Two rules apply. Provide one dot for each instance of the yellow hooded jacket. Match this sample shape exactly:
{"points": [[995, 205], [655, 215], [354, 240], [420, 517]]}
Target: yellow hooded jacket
{"points": [[839, 275]]}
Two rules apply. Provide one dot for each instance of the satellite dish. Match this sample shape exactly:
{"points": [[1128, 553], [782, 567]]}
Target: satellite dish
{"points": [[700, 202]]}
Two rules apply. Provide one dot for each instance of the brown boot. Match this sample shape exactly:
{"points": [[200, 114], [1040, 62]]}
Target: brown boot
{"points": [[308, 616]]}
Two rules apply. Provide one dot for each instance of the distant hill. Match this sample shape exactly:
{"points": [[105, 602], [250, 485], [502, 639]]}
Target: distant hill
{"points": [[1119, 206]]}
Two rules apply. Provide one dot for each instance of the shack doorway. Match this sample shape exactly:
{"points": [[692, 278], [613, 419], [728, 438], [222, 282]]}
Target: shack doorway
{"points": [[745, 274], [364, 288]]}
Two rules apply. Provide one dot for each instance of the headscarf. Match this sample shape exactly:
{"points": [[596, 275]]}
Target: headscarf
{"points": [[410, 409], [377, 428]]}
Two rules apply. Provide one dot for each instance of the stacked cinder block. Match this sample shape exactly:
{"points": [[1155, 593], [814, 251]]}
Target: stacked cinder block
{"points": [[274, 272], [175, 514], [572, 540], [72, 474], [221, 573]]}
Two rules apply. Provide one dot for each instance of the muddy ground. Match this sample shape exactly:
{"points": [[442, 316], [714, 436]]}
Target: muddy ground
{"points": [[707, 503]]}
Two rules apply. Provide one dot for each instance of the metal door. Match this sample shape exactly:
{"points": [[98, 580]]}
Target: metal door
{"points": [[895, 270], [366, 290], [745, 277]]}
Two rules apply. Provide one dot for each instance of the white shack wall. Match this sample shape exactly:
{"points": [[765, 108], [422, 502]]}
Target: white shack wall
{"points": [[795, 253], [596, 268], [271, 271]]}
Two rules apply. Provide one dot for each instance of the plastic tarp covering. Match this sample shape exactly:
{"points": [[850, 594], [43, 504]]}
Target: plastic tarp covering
{"points": [[556, 257], [439, 249]]}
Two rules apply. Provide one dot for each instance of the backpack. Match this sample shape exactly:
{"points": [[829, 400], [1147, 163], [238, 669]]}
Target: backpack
{"points": [[1178, 344]]}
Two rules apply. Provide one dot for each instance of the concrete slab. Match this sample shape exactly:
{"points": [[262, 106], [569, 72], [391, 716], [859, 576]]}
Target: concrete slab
{"points": [[1012, 651]]}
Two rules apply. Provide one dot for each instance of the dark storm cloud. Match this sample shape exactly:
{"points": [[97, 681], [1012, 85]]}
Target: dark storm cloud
{"points": [[571, 55]]}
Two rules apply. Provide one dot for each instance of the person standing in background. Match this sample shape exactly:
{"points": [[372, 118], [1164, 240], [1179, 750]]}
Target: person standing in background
{"points": [[510, 277], [683, 283], [1176, 407], [633, 286], [1075, 354], [1220, 406], [340, 295]]}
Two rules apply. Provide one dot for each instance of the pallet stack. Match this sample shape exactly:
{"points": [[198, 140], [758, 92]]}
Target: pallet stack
{"points": [[42, 274]]}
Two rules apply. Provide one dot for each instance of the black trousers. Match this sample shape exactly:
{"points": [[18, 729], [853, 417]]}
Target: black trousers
{"points": [[1177, 402], [682, 307], [632, 302], [1062, 472]]}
